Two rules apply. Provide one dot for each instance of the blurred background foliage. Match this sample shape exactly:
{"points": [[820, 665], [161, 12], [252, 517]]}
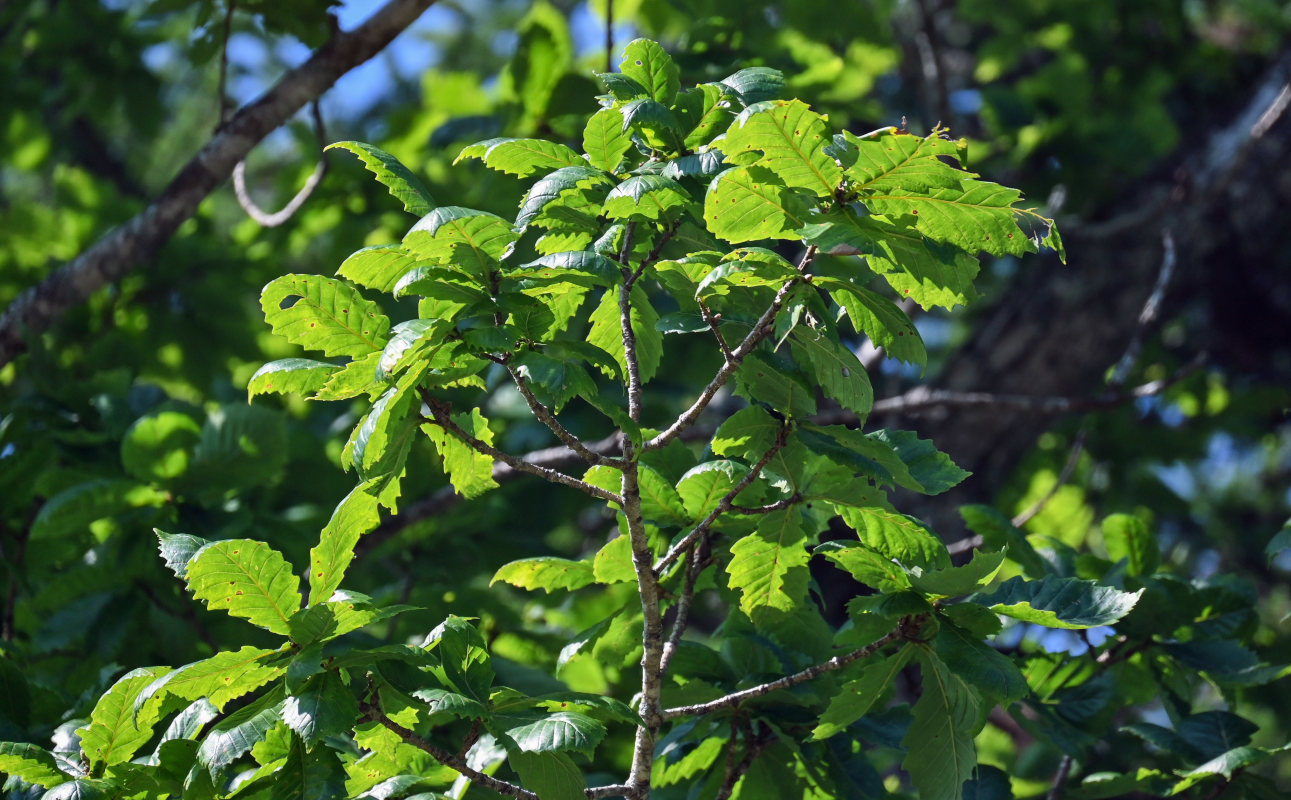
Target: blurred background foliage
{"points": [[131, 412]]}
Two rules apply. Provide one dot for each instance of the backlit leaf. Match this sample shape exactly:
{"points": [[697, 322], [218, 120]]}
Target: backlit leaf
{"points": [[1129, 538], [837, 370], [223, 677], [749, 203], [769, 566], [547, 572], [470, 471], [115, 733], [790, 137], [649, 65], [897, 536], [354, 516], [248, 579], [406, 187], [857, 696], [290, 376], [604, 139], [324, 314], [523, 157], [378, 267], [606, 332], [31, 764]]}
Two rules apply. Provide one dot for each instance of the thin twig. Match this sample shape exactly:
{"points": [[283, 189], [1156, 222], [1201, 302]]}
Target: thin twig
{"points": [[836, 663], [374, 713], [184, 612], [736, 771], [724, 505], [713, 320], [273, 219], [761, 330], [443, 420], [778, 505], [547, 418], [1073, 458], [666, 236], [1059, 785], [221, 90], [694, 565]]}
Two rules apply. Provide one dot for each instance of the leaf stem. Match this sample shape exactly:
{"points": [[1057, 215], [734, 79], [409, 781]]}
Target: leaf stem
{"points": [[442, 419], [761, 330], [547, 418], [723, 505], [904, 630]]}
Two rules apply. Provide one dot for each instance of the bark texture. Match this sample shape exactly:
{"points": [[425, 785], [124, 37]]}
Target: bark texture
{"points": [[134, 243]]}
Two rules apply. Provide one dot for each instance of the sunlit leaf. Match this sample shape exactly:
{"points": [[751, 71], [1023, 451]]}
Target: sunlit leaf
{"points": [[248, 579], [406, 187]]}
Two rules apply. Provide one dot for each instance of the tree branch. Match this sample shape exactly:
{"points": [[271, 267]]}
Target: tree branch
{"points": [[761, 330], [135, 242], [442, 419], [905, 629], [724, 505], [547, 418]]}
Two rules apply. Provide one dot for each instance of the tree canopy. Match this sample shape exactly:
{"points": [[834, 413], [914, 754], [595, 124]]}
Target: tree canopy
{"points": [[723, 399]]}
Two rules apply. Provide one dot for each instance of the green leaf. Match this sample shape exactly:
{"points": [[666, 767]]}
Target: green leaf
{"points": [[1127, 537], [613, 562], [241, 446], [650, 197], [878, 318], [314, 774], [378, 267], [837, 370], [470, 471], [1224, 765], [762, 379], [546, 733], [446, 703], [940, 754], [233, 736], [703, 112], [31, 764], [552, 776], [660, 503], [290, 376], [620, 86], [1060, 602], [249, 579], [1280, 541], [323, 707], [704, 486], [554, 381], [323, 314], [958, 581], [650, 66], [756, 84], [998, 532], [72, 510], [223, 677], [542, 57], [346, 612], [83, 789], [523, 157], [381, 440], [897, 536], [930, 468], [354, 516], [791, 138], [604, 139], [546, 572], [748, 434], [115, 733], [855, 699], [697, 761], [580, 267], [469, 240], [177, 550], [868, 566], [769, 566], [900, 161], [973, 216], [982, 666], [749, 203], [606, 332], [552, 188], [406, 187], [357, 377], [159, 446]]}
